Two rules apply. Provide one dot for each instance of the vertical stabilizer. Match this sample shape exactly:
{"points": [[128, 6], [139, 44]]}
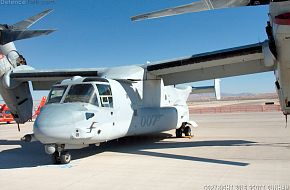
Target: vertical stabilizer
{"points": [[217, 88]]}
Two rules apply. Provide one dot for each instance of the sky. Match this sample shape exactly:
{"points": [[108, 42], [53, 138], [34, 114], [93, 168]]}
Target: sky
{"points": [[99, 33]]}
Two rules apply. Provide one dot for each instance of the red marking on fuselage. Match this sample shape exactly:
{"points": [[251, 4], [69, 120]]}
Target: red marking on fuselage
{"points": [[283, 19]]}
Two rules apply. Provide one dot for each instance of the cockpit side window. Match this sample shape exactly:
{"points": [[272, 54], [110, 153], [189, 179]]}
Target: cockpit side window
{"points": [[94, 100], [56, 93], [105, 93], [81, 93]]}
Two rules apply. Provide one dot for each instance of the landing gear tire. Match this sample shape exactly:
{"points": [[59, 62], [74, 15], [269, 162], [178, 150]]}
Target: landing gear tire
{"points": [[55, 158], [65, 157], [61, 158], [187, 131], [178, 133]]}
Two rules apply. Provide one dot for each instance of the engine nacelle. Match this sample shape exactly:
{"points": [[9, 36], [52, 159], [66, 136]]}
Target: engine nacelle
{"points": [[19, 101], [16, 95], [280, 22]]}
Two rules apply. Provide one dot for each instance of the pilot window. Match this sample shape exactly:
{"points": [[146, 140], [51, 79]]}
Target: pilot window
{"points": [[56, 94], [81, 93], [105, 95]]}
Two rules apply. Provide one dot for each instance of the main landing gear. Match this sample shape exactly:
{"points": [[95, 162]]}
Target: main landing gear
{"points": [[186, 129], [63, 157]]}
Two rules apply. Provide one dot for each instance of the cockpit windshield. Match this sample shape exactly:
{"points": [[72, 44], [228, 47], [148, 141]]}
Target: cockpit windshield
{"points": [[81, 93], [56, 94]]}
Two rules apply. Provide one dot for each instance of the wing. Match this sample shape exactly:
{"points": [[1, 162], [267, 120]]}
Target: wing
{"points": [[44, 79], [230, 62]]}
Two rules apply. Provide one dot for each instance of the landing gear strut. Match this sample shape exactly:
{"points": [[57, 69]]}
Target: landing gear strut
{"points": [[178, 133], [61, 157], [185, 128]]}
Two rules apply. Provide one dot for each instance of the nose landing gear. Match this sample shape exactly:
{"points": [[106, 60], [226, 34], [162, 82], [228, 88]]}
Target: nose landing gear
{"points": [[63, 157], [58, 154]]}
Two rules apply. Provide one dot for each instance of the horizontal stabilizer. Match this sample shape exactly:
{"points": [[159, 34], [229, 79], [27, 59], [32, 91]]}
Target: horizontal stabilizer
{"points": [[209, 89], [202, 90], [199, 6], [10, 35], [22, 25]]}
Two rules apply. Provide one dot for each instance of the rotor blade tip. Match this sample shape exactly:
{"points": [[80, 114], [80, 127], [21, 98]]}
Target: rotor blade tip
{"points": [[49, 10], [139, 17]]}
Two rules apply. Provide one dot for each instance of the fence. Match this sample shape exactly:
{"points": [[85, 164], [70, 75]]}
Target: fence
{"points": [[235, 108]]}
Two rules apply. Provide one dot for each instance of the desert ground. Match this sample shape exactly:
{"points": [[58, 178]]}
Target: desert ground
{"points": [[228, 151]]}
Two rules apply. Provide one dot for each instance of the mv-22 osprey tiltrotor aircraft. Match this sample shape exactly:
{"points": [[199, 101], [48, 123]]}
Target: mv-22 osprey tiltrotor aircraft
{"points": [[90, 106]]}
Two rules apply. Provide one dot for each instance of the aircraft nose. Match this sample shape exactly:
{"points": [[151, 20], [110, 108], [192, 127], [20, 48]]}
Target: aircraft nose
{"points": [[57, 122]]}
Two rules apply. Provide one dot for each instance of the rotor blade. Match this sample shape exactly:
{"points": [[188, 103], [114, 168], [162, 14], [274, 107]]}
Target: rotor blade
{"points": [[196, 6], [199, 6], [7, 36], [22, 25]]}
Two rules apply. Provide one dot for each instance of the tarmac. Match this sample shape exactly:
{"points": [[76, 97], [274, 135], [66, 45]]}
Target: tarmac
{"points": [[230, 151]]}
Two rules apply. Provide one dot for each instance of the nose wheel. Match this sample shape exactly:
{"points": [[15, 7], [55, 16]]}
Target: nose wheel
{"points": [[63, 157]]}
